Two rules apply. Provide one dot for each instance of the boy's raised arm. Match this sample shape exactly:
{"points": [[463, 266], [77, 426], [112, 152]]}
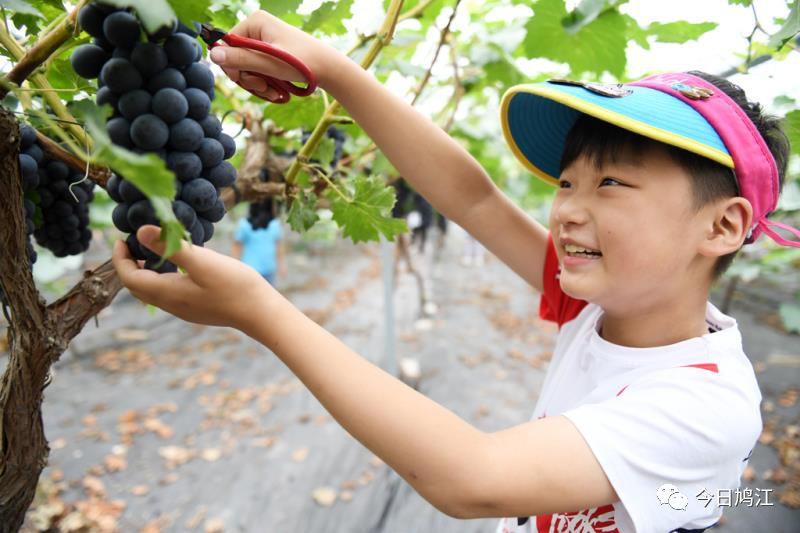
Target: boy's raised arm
{"points": [[435, 164]]}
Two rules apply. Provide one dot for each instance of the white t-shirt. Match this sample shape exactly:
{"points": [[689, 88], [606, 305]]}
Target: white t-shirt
{"points": [[685, 415]]}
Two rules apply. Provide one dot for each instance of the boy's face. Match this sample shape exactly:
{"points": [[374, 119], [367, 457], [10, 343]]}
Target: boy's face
{"points": [[637, 219]]}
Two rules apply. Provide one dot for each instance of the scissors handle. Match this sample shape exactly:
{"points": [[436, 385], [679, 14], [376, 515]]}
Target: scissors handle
{"points": [[282, 87]]}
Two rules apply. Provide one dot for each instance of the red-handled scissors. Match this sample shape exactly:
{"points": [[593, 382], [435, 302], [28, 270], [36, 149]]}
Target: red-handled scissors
{"points": [[284, 88]]}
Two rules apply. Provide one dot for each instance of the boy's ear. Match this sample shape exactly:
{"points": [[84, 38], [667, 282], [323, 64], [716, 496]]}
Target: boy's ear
{"points": [[728, 222]]}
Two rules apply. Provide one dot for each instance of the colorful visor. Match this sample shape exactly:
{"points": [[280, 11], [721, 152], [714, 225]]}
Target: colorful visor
{"points": [[678, 109]]}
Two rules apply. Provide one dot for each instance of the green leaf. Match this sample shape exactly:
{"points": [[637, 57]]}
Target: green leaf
{"points": [[790, 315], [784, 99], [740, 2], [325, 151], [329, 16], [789, 29], [597, 47], [586, 12], [792, 127], [303, 213], [21, 6], [153, 14], [147, 172], [679, 31], [366, 215], [297, 113], [189, 11], [280, 8], [61, 76]]}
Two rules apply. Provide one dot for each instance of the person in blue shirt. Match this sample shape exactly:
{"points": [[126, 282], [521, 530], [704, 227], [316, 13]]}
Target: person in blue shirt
{"points": [[263, 249]]}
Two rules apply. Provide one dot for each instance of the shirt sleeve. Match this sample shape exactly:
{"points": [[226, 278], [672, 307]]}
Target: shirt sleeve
{"points": [[277, 229], [555, 304], [241, 231], [668, 437]]}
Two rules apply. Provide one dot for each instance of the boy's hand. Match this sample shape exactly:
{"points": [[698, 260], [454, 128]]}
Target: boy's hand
{"points": [[216, 290], [270, 29]]}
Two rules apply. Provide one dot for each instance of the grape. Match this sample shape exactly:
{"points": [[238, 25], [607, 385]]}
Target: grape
{"points": [[134, 103], [216, 212], [208, 229], [186, 165], [185, 135], [36, 153], [124, 53], [29, 170], [121, 29], [112, 188], [57, 170], [211, 126], [169, 77], [57, 187], [170, 105], [197, 234], [119, 131], [210, 152], [199, 193], [165, 268], [199, 76], [181, 49], [184, 213], [134, 246], [149, 59], [107, 96], [149, 132], [228, 144], [182, 28], [141, 213], [222, 175], [87, 60], [199, 104], [27, 137], [129, 192], [103, 43], [120, 75], [119, 216], [91, 18]]}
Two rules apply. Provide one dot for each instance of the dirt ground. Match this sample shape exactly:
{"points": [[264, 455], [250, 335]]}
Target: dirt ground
{"points": [[158, 425]]}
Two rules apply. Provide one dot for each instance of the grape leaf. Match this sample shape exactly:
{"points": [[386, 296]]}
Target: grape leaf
{"points": [[325, 151], [367, 214], [147, 172], [21, 6], [298, 112], [599, 46], [280, 8], [792, 126], [189, 11], [586, 12], [679, 31], [303, 213], [789, 29], [740, 2], [328, 18]]}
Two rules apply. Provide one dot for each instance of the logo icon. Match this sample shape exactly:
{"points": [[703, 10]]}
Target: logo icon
{"points": [[669, 494]]}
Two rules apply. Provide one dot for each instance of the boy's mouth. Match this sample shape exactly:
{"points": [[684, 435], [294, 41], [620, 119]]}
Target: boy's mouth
{"points": [[573, 250]]}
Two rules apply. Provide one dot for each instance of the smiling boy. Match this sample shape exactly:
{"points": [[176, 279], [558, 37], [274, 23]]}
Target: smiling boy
{"points": [[649, 398]]}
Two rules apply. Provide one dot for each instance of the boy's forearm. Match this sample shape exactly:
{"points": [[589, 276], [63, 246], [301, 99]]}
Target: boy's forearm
{"points": [[424, 154], [434, 450]]}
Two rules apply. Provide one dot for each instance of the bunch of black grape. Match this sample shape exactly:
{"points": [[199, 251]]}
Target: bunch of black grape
{"points": [[161, 95], [338, 137], [63, 196]]}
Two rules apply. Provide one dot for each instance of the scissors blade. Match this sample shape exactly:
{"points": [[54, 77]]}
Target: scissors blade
{"points": [[210, 34]]}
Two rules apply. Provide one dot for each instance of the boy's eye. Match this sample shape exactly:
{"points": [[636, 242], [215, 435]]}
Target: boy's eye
{"points": [[563, 184], [611, 180]]}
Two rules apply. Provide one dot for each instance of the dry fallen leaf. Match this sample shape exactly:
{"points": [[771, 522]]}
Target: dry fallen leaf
{"points": [[300, 455], [140, 490], [115, 463], [324, 496], [749, 474], [131, 335], [211, 454], [58, 443], [214, 525], [346, 495], [94, 486]]}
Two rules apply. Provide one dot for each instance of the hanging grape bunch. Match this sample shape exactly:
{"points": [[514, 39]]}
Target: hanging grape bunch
{"points": [[161, 95], [63, 195]]}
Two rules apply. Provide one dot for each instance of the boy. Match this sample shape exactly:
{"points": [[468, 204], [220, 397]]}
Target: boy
{"points": [[643, 406]]}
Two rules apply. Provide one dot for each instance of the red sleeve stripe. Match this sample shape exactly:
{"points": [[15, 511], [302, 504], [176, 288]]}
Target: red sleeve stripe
{"points": [[712, 367]]}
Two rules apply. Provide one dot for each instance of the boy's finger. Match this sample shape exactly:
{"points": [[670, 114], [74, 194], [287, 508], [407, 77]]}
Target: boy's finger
{"points": [[243, 59], [150, 236]]}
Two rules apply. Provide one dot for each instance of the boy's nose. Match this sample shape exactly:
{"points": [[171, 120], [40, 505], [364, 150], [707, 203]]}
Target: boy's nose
{"points": [[571, 210]]}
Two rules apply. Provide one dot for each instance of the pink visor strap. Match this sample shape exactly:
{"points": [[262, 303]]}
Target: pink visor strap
{"points": [[754, 167], [765, 227]]}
